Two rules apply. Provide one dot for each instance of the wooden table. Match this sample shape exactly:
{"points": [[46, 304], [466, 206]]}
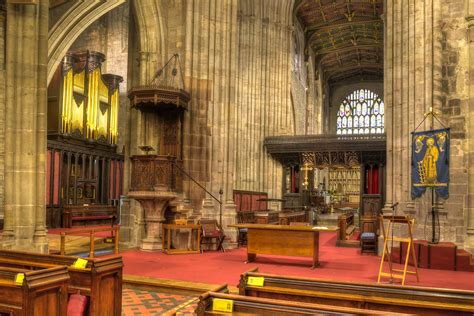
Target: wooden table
{"points": [[283, 240], [195, 231]]}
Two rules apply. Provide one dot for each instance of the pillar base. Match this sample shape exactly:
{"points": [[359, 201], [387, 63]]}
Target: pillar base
{"points": [[208, 210], [469, 241], [229, 217], [151, 245], [154, 204]]}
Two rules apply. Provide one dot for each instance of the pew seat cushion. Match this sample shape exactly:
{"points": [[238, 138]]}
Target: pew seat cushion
{"points": [[367, 235], [215, 233], [77, 305]]}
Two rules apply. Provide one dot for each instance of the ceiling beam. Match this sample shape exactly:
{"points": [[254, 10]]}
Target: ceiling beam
{"points": [[340, 50], [343, 23], [362, 66]]}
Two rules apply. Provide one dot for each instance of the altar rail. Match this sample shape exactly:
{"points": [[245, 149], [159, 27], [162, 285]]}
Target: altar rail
{"points": [[156, 172], [92, 233]]}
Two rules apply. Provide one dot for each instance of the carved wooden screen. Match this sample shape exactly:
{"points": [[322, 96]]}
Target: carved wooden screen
{"points": [[362, 112]]}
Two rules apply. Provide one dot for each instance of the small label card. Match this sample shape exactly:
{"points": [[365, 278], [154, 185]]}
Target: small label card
{"points": [[320, 227], [222, 305], [255, 281], [19, 278], [80, 263]]}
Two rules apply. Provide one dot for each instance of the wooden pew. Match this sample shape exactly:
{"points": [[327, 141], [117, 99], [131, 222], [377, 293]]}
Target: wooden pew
{"points": [[286, 217], [43, 292], [347, 227], [95, 214], [388, 298], [101, 280], [244, 305]]}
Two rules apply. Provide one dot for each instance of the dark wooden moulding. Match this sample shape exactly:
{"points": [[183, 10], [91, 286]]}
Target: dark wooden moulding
{"points": [[244, 305], [43, 292], [101, 280], [386, 298]]}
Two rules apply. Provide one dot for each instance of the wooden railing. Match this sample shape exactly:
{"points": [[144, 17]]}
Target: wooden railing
{"points": [[151, 172], [91, 232]]}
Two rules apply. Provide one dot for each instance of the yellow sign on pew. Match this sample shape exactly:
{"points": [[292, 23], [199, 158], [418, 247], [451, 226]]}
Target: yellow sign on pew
{"points": [[222, 305], [80, 263], [19, 278], [255, 281]]}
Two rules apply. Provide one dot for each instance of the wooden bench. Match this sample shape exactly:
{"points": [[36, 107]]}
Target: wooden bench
{"points": [[101, 280], [93, 214], [287, 217], [387, 298], [266, 217], [43, 292], [244, 305]]}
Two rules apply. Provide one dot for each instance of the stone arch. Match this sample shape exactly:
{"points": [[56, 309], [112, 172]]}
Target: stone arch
{"points": [[72, 24]]}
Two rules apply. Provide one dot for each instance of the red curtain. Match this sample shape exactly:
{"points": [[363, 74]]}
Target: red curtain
{"points": [[372, 178], [57, 172], [48, 178], [111, 180]]}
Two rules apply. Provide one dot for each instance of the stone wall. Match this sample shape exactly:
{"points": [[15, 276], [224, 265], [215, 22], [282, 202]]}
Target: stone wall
{"points": [[265, 82], [2, 106], [299, 80]]}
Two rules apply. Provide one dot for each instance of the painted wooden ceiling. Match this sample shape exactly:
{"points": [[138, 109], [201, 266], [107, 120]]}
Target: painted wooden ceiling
{"points": [[346, 36]]}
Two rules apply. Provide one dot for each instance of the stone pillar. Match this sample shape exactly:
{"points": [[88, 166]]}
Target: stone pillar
{"points": [[3, 14], [426, 66], [469, 241], [263, 89], [25, 131]]}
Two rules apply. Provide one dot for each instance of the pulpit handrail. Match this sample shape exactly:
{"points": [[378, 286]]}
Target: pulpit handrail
{"points": [[172, 160]]}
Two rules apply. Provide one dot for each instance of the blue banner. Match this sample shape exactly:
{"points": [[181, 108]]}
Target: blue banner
{"points": [[430, 162]]}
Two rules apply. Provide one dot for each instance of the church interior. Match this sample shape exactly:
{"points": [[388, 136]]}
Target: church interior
{"points": [[247, 157]]}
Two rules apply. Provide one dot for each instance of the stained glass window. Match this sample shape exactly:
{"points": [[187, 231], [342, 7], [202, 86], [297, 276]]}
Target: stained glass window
{"points": [[362, 112]]}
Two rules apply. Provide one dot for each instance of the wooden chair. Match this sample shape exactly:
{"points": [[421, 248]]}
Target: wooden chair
{"points": [[244, 218], [211, 233], [368, 236]]}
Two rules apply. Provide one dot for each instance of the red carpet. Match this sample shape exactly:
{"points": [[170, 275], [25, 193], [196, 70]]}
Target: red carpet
{"points": [[336, 264]]}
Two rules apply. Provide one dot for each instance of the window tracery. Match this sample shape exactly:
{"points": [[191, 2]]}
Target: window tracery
{"points": [[362, 112]]}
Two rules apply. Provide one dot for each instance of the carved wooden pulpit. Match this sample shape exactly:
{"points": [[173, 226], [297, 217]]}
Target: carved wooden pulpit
{"points": [[157, 179]]}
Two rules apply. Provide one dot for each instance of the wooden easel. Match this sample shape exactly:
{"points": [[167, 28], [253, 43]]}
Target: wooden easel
{"points": [[387, 234]]}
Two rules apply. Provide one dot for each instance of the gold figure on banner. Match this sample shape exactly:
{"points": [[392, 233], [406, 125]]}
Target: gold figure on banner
{"points": [[429, 161]]}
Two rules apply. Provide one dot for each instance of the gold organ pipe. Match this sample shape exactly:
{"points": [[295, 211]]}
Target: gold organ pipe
{"points": [[113, 116], [67, 102], [92, 104]]}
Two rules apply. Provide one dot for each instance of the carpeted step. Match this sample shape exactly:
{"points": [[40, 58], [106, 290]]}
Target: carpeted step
{"points": [[355, 235], [442, 256], [464, 261]]}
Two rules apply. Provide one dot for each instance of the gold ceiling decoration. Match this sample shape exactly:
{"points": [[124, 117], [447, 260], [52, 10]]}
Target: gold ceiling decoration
{"points": [[346, 36]]}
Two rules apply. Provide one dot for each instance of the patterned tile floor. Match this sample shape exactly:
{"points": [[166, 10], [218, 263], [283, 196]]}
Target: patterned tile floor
{"points": [[142, 302]]}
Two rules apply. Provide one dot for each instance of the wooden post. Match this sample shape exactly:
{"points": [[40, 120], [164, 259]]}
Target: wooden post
{"points": [[116, 240], [91, 249], [63, 244]]}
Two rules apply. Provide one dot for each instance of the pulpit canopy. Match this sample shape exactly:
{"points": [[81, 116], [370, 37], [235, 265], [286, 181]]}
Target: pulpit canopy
{"points": [[164, 93]]}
